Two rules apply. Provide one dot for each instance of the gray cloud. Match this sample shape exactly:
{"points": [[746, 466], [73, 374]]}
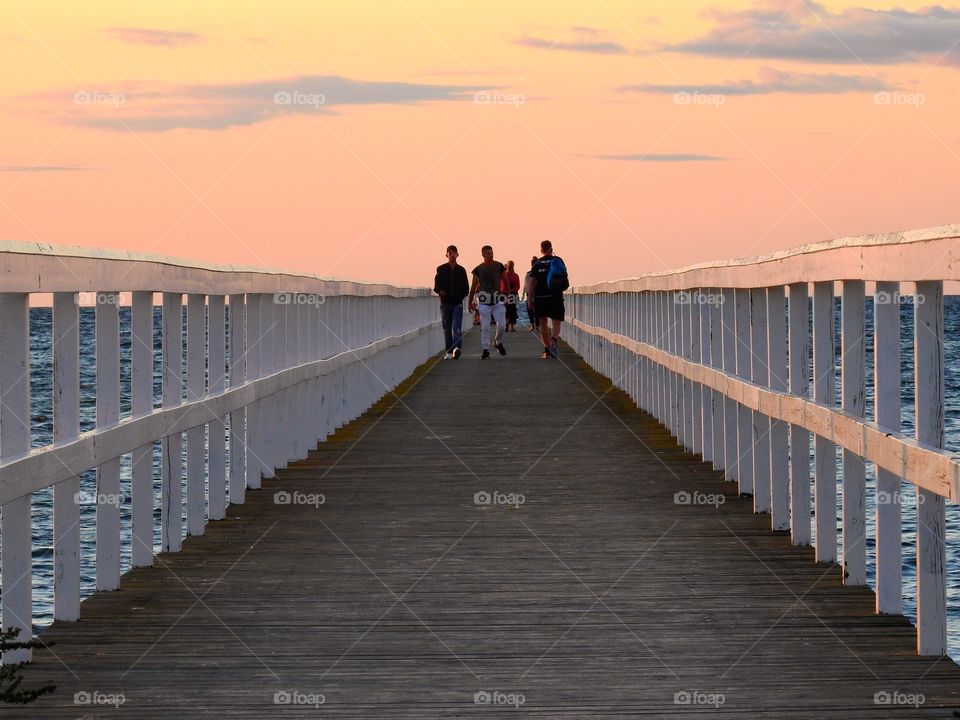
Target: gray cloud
{"points": [[584, 40], [807, 31], [151, 36], [660, 158], [158, 108], [773, 81]]}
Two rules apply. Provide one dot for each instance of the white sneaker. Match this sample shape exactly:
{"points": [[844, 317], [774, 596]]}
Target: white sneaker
{"points": [[447, 356]]}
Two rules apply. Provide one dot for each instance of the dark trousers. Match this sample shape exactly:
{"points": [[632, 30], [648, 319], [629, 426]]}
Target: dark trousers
{"points": [[452, 317]]}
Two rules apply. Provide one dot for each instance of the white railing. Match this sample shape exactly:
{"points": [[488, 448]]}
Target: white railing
{"points": [[721, 354], [302, 356]]}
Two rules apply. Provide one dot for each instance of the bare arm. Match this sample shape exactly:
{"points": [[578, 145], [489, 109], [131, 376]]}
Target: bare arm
{"points": [[473, 291]]}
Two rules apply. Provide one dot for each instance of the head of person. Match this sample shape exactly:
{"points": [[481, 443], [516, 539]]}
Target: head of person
{"points": [[452, 253], [546, 247], [487, 253], [533, 261], [510, 265]]}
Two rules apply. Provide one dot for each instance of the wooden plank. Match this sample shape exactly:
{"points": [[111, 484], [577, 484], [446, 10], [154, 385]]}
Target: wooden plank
{"points": [[108, 499], [825, 452], [853, 391], [141, 405], [744, 371], [16, 548], [799, 343], [760, 375], [171, 466], [931, 508], [66, 426], [238, 417], [779, 455], [216, 430], [196, 389], [886, 388]]}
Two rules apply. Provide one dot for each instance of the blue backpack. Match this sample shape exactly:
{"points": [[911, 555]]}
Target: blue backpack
{"points": [[557, 280]]}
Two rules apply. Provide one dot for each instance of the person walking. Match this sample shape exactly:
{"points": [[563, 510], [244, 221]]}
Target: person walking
{"points": [[450, 283], [512, 289], [528, 295], [549, 280], [485, 296]]}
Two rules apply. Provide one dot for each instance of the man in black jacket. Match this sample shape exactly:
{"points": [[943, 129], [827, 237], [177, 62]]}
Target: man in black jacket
{"points": [[450, 283]]}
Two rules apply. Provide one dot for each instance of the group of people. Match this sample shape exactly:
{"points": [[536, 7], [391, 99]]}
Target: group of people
{"points": [[494, 294]]}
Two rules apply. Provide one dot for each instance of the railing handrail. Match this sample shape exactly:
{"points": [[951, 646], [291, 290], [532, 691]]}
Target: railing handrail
{"points": [[860, 257], [42, 268]]}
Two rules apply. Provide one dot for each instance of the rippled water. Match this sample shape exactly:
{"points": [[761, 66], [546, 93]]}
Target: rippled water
{"points": [[41, 434]]}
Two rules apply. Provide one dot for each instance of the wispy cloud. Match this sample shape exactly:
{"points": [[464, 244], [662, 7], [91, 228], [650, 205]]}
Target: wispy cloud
{"points": [[660, 157], [807, 31], [577, 39], [159, 107], [773, 81], [151, 36]]}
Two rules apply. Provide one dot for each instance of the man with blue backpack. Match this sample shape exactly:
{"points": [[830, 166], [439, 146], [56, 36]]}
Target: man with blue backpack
{"points": [[549, 280]]}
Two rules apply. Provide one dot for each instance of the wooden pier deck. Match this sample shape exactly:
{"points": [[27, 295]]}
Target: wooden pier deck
{"points": [[400, 596]]}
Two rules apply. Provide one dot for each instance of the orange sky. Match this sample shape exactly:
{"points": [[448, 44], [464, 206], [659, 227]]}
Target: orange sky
{"points": [[349, 139]]}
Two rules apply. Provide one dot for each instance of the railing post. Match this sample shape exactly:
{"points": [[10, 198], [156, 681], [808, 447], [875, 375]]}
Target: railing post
{"points": [[171, 501], [779, 458], [684, 313], [716, 419], [728, 316], [216, 430], [825, 452], [931, 507], [196, 361], [256, 445], [760, 375], [16, 554], [886, 387], [66, 426], [706, 395], [799, 436], [698, 409], [269, 426], [744, 415], [108, 413], [141, 403], [238, 419], [853, 389]]}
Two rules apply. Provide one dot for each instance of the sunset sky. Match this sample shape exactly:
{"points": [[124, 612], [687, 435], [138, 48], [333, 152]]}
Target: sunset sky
{"points": [[358, 138]]}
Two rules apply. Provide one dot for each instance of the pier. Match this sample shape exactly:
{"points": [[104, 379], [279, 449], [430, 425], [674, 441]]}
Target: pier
{"points": [[350, 526]]}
